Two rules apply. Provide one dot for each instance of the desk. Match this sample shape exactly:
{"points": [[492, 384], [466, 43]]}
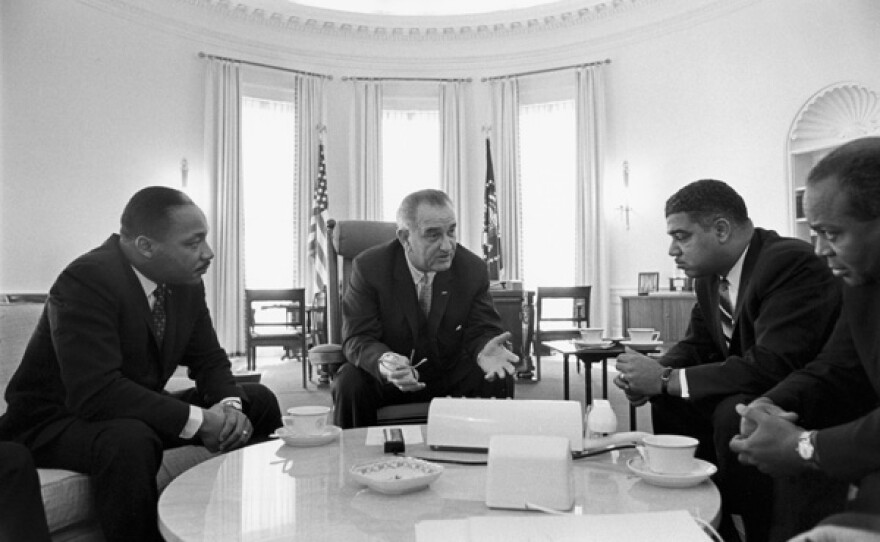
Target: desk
{"points": [[274, 492], [590, 356]]}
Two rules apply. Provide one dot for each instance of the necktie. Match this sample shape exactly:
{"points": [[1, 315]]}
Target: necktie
{"points": [[725, 308], [159, 311], [425, 294]]}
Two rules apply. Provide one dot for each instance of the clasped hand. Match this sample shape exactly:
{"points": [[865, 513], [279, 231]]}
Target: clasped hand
{"points": [[401, 372], [638, 376], [768, 438], [224, 428], [495, 359]]}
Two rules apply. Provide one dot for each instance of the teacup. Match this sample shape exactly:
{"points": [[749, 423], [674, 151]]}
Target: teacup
{"points": [[592, 335], [668, 454], [643, 334], [307, 420]]}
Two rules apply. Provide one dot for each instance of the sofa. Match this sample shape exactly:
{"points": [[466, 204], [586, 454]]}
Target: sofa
{"points": [[67, 495]]}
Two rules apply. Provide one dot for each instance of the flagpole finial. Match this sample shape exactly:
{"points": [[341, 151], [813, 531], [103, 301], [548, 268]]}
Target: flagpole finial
{"points": [[487, 129]]}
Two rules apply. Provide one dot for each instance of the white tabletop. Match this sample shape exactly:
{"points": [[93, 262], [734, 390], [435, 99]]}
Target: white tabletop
{"points": [[271, 491]]}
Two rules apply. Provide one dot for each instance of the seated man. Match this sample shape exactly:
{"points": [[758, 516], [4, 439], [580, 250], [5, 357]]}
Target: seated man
{"points": [[417, 319], [89, 393], [825, 418], [779, 305]]}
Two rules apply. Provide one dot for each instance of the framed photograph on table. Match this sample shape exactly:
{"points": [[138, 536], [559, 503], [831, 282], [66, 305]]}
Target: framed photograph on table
{"points": [[649, 282]]}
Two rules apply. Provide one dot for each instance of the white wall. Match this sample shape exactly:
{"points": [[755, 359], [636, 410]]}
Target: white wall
{"points": [[97, 102]]}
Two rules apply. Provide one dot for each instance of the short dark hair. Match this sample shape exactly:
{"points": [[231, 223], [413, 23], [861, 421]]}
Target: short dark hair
{"points": [[406, 213], [707, 199], [856, 166], [147, 212]]}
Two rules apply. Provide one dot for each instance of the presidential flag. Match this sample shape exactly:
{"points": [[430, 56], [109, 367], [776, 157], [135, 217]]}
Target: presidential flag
{"points": [[318, 225], [491, 235]]}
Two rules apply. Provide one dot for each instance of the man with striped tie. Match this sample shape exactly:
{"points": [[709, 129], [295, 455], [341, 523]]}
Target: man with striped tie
{"points": [[765, 306]]}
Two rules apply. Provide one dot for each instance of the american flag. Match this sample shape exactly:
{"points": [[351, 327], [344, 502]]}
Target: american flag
{"points": [[318, 225], [491, 235]]}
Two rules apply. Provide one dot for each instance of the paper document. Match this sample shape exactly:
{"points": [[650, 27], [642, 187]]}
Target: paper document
{"points": [[412, 434], [673, 526]]}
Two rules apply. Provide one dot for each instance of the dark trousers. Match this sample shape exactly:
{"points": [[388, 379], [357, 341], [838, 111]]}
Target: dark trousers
{"points": [[22, 516], [358, 395], [123, 456]]}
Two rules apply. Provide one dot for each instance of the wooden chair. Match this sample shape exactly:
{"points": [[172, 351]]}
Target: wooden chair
{"points": [[569, 305], [276, 318]]}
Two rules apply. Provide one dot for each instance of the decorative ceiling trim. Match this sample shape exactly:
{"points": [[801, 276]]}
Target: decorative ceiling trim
{"points": [[300, 18], [834, 115]]}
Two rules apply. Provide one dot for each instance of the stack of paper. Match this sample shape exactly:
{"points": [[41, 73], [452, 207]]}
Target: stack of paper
{"points": [[673, 526]]}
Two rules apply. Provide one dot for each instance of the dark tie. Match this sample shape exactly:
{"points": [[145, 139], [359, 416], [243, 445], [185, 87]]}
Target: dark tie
{"points": [[159, 311], [424, 292], [725, 308]]}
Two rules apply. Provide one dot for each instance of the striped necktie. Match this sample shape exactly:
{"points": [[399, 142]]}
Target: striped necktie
{"points": [[159, 311], [424, 292], [725, 309]]}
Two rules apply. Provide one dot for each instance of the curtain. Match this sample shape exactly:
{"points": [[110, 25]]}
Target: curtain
{"points": [[452, 156], [591, 264], [223, 121], [505, 149], [310, 127], [366, 191]]}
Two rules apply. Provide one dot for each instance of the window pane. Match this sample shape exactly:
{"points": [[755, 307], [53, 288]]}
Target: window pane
{"points": [[548, 170], [268, 144], [410, 155]]}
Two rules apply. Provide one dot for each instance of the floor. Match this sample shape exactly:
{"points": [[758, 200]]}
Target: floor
{"points": [[284, 377]]}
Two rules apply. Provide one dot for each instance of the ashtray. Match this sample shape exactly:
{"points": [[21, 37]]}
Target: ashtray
{"points": [[397, 475]]}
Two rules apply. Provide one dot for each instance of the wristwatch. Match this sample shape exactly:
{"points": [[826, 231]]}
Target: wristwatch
{"points": [[807, 449], [388, 358], [664, 380]]}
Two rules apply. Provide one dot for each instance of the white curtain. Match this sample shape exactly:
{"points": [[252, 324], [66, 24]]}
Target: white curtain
{"points": [[452, 156], [366, 190], [310, 114], [505, 151], [223, 121], [591, 264]]}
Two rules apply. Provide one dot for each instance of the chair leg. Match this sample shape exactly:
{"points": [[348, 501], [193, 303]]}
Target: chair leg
{"points": [[304, 361], [252, 358]]}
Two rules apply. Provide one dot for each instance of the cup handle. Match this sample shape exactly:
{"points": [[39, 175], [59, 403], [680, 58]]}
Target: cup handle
{"points": [[656, 336], [642, 452]]}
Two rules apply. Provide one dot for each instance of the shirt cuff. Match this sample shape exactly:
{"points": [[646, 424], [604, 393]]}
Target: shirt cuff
{"points": [[683, 383], [194, 423], [234, 402]]}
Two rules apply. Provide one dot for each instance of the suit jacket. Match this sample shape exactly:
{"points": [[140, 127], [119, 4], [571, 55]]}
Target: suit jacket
{"points": [[786, 308], [94, 354], [845, 379], [380, 313]]}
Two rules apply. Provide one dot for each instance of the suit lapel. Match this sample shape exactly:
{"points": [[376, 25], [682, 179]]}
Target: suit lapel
{"points": [[406, 290], [439, 299], [714, 315]]}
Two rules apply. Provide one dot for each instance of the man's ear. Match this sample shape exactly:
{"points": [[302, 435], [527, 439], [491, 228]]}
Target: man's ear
{"points": [[403, 237], [723, 229], [144, 245]]}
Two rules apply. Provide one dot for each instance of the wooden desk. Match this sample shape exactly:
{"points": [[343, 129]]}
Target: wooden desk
{"points": [[274, 492]]}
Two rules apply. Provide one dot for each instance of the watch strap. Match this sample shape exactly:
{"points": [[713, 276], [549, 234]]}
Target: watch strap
{"points": [[664, 380]]}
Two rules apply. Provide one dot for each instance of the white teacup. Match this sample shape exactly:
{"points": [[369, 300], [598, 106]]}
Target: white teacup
{"points": [[669, 454], [592, 334], [643, 334], [307, 420]]}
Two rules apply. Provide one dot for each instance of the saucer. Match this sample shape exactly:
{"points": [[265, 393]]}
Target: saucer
{"points": [[331, 433], [396, 475], [585, 344], [702, 471], [650, 345]]}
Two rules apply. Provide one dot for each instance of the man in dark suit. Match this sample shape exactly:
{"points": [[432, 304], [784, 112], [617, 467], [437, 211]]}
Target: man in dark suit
{"points": [[418, 321], [825, 417], [781, 306], [88, 395]]}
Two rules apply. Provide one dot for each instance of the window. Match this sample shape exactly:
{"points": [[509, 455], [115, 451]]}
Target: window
{"points": [[271, 224], [548, 162], [410, 155]]}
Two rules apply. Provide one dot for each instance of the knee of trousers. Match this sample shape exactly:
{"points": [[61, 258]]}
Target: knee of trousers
{"points": [[262, 408], [352, 383], [128, 441]]}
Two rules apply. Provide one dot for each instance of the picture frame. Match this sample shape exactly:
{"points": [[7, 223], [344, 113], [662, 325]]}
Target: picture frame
{"points": [[649, 282]]}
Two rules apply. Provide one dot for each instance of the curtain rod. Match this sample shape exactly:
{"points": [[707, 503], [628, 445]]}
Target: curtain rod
{"points": [[203, 54], [425, 79], [548, 70]]}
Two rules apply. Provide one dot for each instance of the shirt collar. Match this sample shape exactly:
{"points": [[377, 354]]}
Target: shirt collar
{"points": [[735, 274], [417, 275], [148, 285]]}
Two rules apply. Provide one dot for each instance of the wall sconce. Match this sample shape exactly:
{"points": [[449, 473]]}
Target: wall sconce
{"points": [[625, 208]]}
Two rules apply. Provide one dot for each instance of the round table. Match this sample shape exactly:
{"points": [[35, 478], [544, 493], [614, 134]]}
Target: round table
{"points": [[271, 491]]}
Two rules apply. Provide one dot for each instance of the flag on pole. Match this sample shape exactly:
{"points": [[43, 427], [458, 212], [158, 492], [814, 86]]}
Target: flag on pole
{"points": [[318, 225], [491, 235]]}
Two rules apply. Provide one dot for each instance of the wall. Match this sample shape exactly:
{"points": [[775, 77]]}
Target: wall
{"points": [[101, 97]]}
